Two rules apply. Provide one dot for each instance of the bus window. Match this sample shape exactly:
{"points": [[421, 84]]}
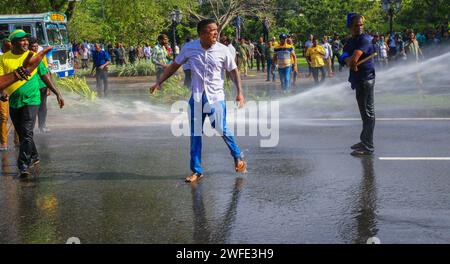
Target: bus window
{"points": [[54, 38], [26, 28], [4, 29], [40, 34], [64, 34]]}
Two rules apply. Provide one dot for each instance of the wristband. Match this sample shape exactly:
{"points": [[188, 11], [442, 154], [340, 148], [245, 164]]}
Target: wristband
{"points": [[26, 71], [17, 75], [22, 74]]}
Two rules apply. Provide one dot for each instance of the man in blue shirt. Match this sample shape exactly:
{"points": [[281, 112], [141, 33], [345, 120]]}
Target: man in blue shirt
{"points": [[101, 61], [362, 79]]}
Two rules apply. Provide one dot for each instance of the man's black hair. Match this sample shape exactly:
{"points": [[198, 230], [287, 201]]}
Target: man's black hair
{"points": [[355, 18], [161, 37], [203, 24]]}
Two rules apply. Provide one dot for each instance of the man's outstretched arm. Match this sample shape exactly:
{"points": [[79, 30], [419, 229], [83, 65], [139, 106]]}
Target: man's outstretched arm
{"points": [[30, 64]]}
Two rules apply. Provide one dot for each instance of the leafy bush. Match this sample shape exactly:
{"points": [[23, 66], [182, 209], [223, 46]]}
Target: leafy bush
{"points": [[172, 90], [142, 68], [77, 86]]}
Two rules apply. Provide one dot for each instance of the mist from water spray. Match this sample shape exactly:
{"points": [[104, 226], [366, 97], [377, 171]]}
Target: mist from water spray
{"points": [[397, 89]]}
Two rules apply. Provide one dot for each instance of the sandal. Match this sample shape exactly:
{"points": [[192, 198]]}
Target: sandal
{"points": [[194, 177], [241, 166]]}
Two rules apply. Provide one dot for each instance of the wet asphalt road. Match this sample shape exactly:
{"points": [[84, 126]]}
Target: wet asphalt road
{"points": [[124, 184]]}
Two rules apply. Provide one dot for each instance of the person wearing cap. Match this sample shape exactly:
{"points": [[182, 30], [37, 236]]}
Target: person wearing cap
{"points": [[209, 59], [362, 79], [284, 57], [24, 98]]}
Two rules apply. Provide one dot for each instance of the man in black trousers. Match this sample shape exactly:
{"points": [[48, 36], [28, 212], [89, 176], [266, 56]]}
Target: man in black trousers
{"points": [[362, 78]]}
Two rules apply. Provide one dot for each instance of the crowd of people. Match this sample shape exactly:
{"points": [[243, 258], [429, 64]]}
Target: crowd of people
{"points": [[321, 53], [119, 53]]}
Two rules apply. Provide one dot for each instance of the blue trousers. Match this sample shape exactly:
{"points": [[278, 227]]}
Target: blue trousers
{"points": [[217, 115], [270, 66], [285, 77]]}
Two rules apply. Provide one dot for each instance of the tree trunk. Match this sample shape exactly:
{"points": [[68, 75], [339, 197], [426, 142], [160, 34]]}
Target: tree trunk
{"points": [[70, 10]]}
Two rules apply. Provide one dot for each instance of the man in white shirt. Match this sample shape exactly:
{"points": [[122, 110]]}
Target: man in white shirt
{"points": [[147, 51], [208, 59], [328, 55], [308, 44]]}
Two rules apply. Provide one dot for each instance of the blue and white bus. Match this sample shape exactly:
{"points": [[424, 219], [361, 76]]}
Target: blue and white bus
{"points": [[50, 29]]}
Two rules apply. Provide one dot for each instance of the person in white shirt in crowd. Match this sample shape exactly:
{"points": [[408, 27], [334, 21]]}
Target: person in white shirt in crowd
{"points": [[328, 55], [252, 54], [308, 44], [148, 51], [208, 61]]}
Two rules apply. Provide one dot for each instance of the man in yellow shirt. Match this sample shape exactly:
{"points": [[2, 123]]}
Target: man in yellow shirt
{"points": [[24, 98], [315, 55]]}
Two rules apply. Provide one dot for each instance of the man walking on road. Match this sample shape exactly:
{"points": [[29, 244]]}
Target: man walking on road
{"points": [[101, 61], [208, 60]]}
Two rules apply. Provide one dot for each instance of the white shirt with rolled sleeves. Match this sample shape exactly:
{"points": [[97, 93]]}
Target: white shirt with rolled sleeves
{"points": [[207, 69]]}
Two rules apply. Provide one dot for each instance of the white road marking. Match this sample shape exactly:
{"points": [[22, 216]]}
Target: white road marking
{"points": [[415, 158], [381, 119]]}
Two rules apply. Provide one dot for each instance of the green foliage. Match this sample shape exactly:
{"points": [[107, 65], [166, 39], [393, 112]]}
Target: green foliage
{"points": [[143, 68], [140, 21], [326, 17], [140, 68], [76, 85], [172, 90]]}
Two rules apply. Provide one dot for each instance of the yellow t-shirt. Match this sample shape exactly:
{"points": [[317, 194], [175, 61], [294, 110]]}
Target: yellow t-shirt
{"points": [[316, 57], [24, 92]]}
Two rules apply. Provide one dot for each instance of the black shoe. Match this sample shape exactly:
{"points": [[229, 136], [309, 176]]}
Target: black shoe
{"points": [[24, 174], [361, 152], [358, 146]]}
